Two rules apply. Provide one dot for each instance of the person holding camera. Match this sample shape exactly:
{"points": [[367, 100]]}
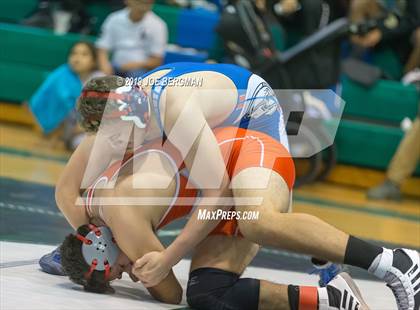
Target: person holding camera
{"points": [[380, 24]]}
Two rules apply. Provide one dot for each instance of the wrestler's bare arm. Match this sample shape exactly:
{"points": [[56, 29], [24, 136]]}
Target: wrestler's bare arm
{"points": [[191, 134], [135, 236], [67, 190]]}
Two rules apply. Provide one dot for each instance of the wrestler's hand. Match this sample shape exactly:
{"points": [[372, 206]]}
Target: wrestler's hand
{"points": [[133, 276], [151, 269], [289, 6]]}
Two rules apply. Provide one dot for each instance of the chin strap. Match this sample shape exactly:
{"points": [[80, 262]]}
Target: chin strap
{"points": [[91, 269], [107, 270], [95, 229], [83, 239]]}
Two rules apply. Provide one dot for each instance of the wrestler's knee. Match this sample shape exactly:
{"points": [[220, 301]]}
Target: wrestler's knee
{"points": [[260, 188], [250, 228]]}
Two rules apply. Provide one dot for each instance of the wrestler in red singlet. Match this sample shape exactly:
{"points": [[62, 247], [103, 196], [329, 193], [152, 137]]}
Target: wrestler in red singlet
{"points": [[240, 148]]}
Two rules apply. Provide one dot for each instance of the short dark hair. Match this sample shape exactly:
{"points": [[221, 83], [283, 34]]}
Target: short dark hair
{"points": [[75, 266], [90, 110]]}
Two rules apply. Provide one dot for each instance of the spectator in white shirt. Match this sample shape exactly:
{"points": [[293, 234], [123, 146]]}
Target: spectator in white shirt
{"points": [[136, 38]]}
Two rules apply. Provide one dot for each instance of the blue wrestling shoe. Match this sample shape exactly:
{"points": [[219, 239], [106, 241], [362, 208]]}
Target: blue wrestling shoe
{"points": [[51, 263], [326, 271]]}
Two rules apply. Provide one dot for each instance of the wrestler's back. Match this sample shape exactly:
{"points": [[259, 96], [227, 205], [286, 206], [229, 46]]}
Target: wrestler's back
{"points": [[230, 253], [155, 170], [149, 175], [217, 94]]}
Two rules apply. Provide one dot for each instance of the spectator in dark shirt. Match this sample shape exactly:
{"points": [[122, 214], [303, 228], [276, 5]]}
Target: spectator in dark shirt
{"points": [[395, 24]]}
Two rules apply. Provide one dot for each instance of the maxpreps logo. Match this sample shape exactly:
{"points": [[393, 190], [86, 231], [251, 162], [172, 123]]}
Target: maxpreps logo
{"points": [[223, 215]]}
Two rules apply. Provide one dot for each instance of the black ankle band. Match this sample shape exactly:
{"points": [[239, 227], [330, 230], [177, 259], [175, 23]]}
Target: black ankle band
{"points": [[293, 292], [360, 253]]}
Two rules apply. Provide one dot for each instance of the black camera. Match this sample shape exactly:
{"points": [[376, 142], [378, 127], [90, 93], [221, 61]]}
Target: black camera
{"points": [[364, 27]]}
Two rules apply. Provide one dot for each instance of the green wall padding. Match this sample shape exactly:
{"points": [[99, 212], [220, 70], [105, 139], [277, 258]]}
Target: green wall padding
{"points": [[279, 36], [13, 11], [19, 81], [170, 15], [99, 11], [35, 47], [367, 145], [388, 61], [388, 101]]}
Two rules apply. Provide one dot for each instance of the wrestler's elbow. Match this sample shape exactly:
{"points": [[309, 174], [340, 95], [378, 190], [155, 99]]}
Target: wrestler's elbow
{"points": [[175, 297], [67, 202], [172, 296], [62, 196], [59, 196], [61, 190]]}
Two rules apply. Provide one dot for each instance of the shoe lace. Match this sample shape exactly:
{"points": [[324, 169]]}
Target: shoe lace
{"points": [[56, 256], [326, 274]]}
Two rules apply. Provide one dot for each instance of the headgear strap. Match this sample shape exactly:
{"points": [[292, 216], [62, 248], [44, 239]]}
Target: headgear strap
{"points": [[87, 94], [107, 270], [95, 229], [133, 100], [83, 239], [91, 269]]}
